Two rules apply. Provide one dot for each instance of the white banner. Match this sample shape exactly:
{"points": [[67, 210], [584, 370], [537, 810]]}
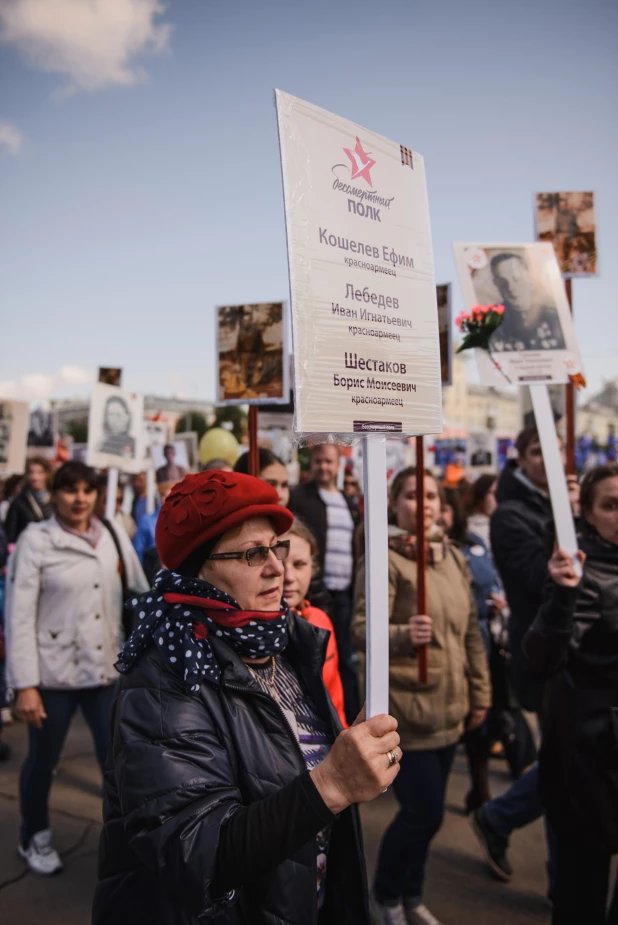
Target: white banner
{"points": [[536, 341], [364, 313]]}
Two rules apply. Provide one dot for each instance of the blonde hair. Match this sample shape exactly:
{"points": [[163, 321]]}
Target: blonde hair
{"points": [[299, 528]]}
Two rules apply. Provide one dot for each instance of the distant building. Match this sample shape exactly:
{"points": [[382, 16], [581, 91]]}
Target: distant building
{"points": [[467, 407], [598, 417]]}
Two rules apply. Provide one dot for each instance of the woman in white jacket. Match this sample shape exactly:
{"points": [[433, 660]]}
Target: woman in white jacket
{"points": [[64, 628]]}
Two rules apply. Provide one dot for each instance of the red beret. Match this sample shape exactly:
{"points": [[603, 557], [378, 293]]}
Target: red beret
{"points": [[204, 506]]}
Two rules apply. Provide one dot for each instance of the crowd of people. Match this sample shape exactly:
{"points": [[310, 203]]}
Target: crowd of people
{"points": [[216, 649]]}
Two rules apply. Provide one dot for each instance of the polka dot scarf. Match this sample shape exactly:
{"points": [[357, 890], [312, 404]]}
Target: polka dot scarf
{"points": [[180, 614]]}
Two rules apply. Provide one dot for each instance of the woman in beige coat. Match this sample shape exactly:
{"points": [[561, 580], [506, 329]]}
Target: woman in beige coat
{"points": [[431, 716]]}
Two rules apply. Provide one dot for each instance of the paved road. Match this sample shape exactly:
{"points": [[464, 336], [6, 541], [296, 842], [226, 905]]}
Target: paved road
{"points": [[459, 890]]}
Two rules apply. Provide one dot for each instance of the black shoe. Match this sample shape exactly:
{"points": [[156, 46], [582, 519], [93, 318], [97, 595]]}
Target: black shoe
{"points": [[494, 846], [5, 751]]}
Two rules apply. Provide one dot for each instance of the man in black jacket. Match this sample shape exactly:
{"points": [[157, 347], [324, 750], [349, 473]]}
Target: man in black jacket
{"points": [[332, 517], [522, 538], [33, 503]]}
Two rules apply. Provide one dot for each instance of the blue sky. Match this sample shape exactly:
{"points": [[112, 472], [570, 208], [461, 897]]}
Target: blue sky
{"points": [[139, 166]]}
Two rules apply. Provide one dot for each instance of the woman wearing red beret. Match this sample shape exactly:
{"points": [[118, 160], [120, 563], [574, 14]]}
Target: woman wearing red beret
{"points": [[230, 787]]}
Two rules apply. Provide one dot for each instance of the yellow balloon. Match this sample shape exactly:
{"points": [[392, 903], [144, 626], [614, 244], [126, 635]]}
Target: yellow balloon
{"points": [[218, 443]]}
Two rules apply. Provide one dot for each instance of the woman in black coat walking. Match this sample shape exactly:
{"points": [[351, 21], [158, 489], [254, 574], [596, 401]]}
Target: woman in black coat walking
{"points": [[230, 788], [574, 643]]}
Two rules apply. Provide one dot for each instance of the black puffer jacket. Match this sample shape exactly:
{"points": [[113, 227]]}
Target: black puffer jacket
{"points": [[207, 794], [24, 510], [522, 536], [574, 643]]}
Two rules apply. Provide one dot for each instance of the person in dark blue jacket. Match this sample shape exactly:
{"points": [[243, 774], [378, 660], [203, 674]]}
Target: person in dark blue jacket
{"points": [[505, 722]]}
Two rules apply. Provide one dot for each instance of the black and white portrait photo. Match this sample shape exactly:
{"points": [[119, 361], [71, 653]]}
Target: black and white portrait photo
{"points": [[481, 449], [513, 278], [115, 430], [42, 428], [117, 424]]}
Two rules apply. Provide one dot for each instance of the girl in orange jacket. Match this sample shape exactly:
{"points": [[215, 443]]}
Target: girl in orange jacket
{"points": [[300, 566]]}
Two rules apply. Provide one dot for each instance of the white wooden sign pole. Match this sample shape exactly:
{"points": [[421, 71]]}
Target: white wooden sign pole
{"points": [[554, 469], [112, 491], [376, 574], [151, 490]]}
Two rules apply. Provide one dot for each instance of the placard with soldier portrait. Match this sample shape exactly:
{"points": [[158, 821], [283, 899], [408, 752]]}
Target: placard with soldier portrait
{"points": [[443, 295], [481, 450], [252, 365], [567, 221], [115, 429], [13, 436], [535, 343]]}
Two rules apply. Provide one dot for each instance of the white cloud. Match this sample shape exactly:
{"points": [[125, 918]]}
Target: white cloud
{"points": [[8, 388], [76, 375], [92, 42], [38, 388], [10, 137]]}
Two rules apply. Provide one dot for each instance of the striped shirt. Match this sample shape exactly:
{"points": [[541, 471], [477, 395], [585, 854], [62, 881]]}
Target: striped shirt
{"points": [[314, 737], [338, 564]]}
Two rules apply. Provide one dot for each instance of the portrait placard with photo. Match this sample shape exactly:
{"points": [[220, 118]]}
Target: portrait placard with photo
{"points": [[536, 340], [115, 429], [42, 428], [567, 221], [252, 354], [445, 333], [170, 461], [481, 450], [110, 375], [13, 436]]}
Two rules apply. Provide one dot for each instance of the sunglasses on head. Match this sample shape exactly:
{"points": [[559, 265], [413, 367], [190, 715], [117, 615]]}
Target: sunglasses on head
{"points": [[257, 555]]}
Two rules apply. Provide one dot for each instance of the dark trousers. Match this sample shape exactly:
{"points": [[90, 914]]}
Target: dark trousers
{"points": [[582, 884], [420, 788], [341, 615], [45, 745]]}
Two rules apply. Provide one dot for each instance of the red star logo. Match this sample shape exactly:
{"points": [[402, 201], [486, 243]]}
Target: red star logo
{"points": [[361, 162]]}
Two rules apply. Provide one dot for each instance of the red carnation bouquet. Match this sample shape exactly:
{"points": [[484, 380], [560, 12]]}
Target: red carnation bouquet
{"points": [[478, 325]]}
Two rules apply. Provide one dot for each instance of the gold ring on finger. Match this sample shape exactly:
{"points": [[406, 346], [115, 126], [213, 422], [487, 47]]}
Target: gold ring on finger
{"points": [[393, 757]]}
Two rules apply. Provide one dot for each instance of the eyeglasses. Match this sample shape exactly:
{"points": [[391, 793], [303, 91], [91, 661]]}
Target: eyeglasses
{"points": [[257, 555]]}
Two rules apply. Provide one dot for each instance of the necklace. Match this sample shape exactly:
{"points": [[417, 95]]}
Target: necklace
{"points": [[270, 682]]}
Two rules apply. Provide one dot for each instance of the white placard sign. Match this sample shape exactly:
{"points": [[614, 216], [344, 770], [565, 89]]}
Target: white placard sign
{"points": [[536, 341], [364, 312], [116, 429], [481, 450], [13, 436]]}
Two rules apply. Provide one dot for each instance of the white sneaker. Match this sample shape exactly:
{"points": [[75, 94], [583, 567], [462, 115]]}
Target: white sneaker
{"points": [[420, 915], [386, 915], [40, 856]]}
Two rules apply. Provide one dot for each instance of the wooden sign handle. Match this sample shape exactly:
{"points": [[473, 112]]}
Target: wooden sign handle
{"points": [[421, 556], [570, 404], [254, 450]]}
